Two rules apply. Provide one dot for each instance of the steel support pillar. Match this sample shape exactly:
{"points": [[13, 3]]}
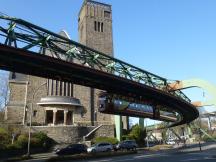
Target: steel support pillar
{"points": [[209, 123], [118, 127], [189, 131], [141, 122]]}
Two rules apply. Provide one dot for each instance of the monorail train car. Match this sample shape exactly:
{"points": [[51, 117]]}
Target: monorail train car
{"points": [[113, 104]]}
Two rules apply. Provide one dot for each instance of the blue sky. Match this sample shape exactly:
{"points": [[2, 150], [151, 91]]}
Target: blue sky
{"points": [[174, 39]]}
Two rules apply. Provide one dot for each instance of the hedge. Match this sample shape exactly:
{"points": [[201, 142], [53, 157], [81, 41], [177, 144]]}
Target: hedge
{"points": [[111, 140]]}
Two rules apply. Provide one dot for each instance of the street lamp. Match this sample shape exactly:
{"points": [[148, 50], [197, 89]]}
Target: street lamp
{"points": [[200, 147], [30, 118], [147, 143]]}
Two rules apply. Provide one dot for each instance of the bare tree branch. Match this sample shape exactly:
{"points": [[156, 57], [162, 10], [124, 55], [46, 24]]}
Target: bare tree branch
{"points": [[3, 89]]}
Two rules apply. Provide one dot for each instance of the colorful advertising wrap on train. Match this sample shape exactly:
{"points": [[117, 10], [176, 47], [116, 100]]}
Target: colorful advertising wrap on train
{"points": [[124, 106]]}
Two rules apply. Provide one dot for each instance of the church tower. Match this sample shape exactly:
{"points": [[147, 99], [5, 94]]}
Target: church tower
{"points": [[95, 26], [95, 31]]}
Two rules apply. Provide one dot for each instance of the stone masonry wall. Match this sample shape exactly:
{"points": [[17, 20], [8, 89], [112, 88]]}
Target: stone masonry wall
{"points": [[64, 134], [37, 88], [16, 106]]}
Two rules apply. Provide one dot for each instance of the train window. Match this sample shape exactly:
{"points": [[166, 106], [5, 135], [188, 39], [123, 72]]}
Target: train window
{"points": [[131, 105], [13, 75], [102, 98]]}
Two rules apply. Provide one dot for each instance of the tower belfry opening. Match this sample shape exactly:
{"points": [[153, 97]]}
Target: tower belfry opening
{"points": [[95, 26]]}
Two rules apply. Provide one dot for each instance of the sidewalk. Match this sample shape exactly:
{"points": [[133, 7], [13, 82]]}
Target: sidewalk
{"points": [[181, 148], [43, 155], [196, 147]]}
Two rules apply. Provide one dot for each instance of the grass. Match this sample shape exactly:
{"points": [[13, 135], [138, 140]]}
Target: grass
{"points": [[160, 147]]}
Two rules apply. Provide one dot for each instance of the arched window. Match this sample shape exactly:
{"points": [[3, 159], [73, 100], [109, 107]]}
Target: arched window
{"points": [[101, 27], [92, 11], [60, 88], [57, 88], [34, 113]]}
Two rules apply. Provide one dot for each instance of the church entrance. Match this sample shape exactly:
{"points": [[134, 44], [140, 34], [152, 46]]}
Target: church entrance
{"points": [[49, 117], [60, 117]]}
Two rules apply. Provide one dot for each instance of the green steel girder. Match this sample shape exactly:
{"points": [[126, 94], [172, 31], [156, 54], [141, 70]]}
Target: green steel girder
{"points": [[34, 38]]}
